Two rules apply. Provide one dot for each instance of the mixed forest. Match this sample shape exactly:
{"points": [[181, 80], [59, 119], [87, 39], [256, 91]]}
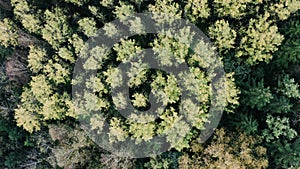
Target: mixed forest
{"points": [[257, 42]]}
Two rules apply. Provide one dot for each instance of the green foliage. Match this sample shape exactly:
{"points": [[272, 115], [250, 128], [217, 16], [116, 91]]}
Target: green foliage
{"points": [[288, 52], [286, 154], [278, 127], [245, 123], [4, 52], [287, 90], [247, 35], [12, 143], [11, 160], [164, 161], [258, 96], [288, 87], [280, 105]]}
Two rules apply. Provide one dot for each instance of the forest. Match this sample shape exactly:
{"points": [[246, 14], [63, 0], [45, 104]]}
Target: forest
{"points": [[89, 84]]}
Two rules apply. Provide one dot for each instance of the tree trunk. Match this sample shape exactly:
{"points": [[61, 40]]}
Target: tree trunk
{"points": [[16, 68]]}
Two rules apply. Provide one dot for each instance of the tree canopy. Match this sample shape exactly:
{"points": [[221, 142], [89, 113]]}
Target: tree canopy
{"points": [[257, 43]]}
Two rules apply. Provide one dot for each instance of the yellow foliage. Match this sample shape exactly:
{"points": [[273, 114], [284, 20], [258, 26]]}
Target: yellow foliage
{"points": [[235, 8], [223, 35], [196, 9], [284, 8], [8, 34], [260, 41]]}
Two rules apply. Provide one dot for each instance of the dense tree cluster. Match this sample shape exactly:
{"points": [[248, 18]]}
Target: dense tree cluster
{"points": [[257, 41]]}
